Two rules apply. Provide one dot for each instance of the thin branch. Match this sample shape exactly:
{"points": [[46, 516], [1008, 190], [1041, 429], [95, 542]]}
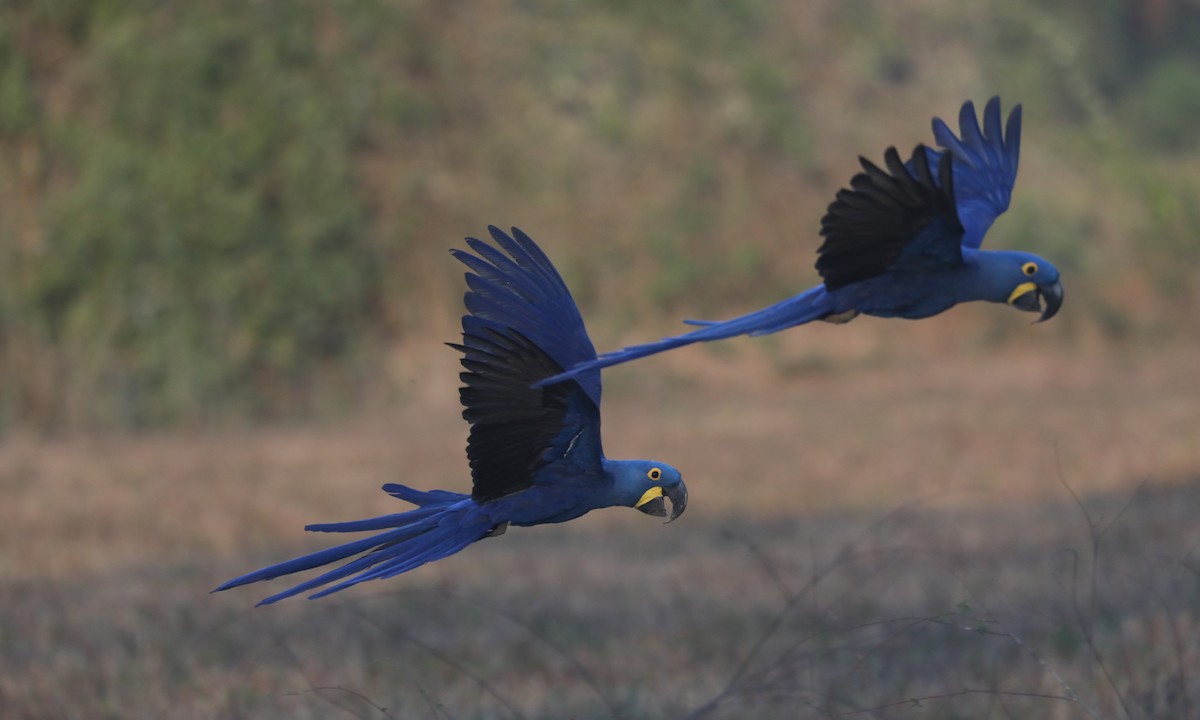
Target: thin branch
{"points": [[913, 623], [1180, 652], [772, 627], [1090, 641], [1085, 625], [319, 691], [1071, 694], [917, 701], [1096, 532], [846, 554], [433, 652], [473, 676], [1137, 490], [1008, 632], [769, 567], [580, 669], [281, 642], [434, 706]]}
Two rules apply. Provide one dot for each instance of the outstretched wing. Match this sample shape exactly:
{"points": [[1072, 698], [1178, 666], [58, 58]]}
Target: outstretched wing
{"points": [[985, 165], [893, 219], [524, 292], [523, 325]]}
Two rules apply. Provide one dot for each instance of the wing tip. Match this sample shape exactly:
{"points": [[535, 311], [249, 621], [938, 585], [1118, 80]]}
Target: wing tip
{"points": [[497, 234]]}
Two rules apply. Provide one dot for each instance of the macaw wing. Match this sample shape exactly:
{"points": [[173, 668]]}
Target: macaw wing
{"points": [[985, 165], [888, 220], [518, 430], [523, 291]]}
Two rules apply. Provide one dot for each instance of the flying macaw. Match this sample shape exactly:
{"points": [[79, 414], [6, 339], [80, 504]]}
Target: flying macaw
{"points": [[904, 243], [535, 454]]}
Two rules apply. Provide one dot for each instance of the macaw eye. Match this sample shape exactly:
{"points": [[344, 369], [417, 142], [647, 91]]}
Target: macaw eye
{"points": [[1029, 268], [654, 474]]}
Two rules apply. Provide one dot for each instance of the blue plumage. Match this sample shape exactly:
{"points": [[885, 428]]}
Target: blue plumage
{"points": [[903, 242], [985, 165], [535, 454]]}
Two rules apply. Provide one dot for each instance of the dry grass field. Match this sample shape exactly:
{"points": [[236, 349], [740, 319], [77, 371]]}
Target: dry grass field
{"points": [[884, 523]]}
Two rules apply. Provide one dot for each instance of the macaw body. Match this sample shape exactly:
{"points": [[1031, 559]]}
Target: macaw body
{"points": [[903, 243], [913, 293], [535, 454]]}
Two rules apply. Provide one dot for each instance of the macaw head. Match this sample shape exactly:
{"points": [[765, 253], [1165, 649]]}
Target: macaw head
{"points": [[1026, 281], [643, 484]]}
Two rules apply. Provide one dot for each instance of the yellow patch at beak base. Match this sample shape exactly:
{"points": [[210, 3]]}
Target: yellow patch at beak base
{"points": [[1021, 290], [654, 492]]}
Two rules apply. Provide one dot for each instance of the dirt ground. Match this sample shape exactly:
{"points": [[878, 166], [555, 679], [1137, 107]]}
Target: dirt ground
{"points": [[878, 527]]}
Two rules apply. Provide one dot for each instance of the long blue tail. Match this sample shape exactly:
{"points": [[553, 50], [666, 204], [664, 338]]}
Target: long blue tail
{"points": [[444, 523], [812, 304]]}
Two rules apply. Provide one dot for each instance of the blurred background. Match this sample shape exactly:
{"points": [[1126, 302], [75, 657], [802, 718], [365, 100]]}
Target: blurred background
{"points": [[224, 287], [215, 212]]}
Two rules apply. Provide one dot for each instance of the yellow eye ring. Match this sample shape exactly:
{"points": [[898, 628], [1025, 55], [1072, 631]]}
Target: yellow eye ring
{"points": [[654, 474], [1029, 268]]}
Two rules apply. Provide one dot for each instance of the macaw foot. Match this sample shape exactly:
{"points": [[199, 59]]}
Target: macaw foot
{"points": [[498, 530], [840, 318]]}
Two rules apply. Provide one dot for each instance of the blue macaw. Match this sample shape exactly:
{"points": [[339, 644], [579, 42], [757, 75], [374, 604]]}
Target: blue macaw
{"points": [[535, 454], [904, 243]]}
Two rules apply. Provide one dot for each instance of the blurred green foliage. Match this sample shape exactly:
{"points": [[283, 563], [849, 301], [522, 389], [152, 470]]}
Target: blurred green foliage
{"points": [[1163, 108], [209, 251], [213, 211]]}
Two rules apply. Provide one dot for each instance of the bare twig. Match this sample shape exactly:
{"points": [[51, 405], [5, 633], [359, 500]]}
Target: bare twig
{"points": [[1177, 641], [434, 706], [1071, 694], [772, 571], [1087, 622], [320, 690], [916, 702], [748, 659], [445, 659], [467, 672], [1012, 635], [758, 684], [282, 643], [1085, 625], [734, 686], [580, 669], [909, 625]]}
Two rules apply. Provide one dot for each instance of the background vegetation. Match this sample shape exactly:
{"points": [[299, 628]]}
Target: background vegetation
{"points": [[228, 210], [224, 289]]}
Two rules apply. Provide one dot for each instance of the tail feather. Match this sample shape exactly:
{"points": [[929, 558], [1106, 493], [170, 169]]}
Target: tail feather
{"points": [[809, 305], [363, 563], [444, 524], [420, 497], [312, 560], [449, 543], [376, 523]]}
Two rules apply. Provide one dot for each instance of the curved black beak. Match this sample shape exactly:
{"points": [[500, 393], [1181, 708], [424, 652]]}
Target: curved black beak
{"points": [[1029, 297], [678, 497], [656, 504], [1052, 294]]}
